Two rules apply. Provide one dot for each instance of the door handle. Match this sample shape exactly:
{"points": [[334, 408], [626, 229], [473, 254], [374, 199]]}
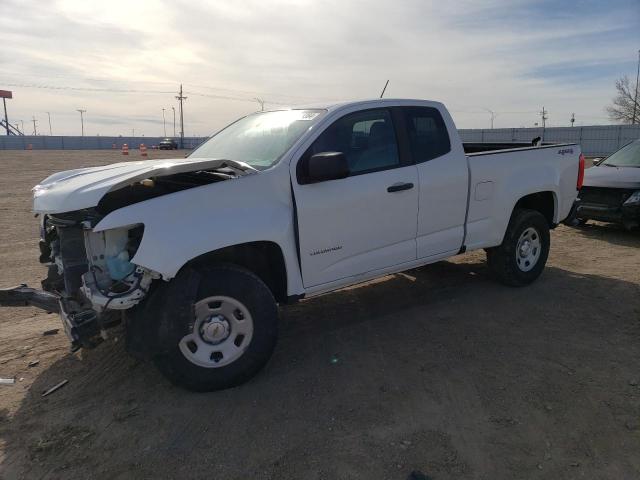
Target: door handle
{"points": [[398, 187]]}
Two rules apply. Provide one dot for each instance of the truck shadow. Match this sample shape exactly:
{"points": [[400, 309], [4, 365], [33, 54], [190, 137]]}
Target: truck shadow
{"points": [[440, 357]]}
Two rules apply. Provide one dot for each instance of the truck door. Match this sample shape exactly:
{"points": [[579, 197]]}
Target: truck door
{"points": [[366, 221], [442, 178]]}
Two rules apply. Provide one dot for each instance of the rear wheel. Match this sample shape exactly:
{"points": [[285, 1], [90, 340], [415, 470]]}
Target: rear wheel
{"points": [[229, 334], [521, 257]]}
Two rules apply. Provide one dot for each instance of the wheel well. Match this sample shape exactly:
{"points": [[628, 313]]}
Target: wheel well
{"points": [[265, 259], [543, 202]]}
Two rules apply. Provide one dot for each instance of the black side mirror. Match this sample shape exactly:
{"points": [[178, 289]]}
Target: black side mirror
{"points": [[324, 166]]}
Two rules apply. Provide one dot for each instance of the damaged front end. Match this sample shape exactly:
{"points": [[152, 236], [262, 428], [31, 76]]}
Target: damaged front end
{"points": [[90, 280], [615, 205]]}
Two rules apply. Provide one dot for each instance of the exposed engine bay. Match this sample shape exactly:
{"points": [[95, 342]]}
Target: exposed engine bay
{"points": [[153, 187], [91, 272]]}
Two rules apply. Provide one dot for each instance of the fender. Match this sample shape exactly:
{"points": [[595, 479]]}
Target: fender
{"points": [[184, 225]]}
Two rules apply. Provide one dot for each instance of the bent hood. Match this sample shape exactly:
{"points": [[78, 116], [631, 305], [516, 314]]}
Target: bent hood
{"points": [[612, 177], [84, 187]]}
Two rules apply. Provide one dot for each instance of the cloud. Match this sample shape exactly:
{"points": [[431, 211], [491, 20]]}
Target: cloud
{"points": [[124, 57]]}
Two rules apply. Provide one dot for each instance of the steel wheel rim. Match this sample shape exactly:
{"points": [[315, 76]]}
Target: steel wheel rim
{"points": [[221, 333], [528, 249]]}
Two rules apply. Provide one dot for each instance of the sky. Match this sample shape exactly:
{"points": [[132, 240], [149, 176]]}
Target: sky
{"points": [[123, 61]]}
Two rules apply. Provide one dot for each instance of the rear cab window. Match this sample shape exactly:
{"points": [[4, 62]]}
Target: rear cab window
{"points": [[427, 133]]}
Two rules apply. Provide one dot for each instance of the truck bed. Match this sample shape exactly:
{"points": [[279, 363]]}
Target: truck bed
{"points": [[498, 176]]}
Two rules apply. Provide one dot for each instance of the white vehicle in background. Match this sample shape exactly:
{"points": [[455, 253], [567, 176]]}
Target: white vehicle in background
{"points": [[195, 254]]}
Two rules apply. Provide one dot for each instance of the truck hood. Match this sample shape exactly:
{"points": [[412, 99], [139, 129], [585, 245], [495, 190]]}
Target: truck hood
{"points": [[612, 177], [84, 187]]}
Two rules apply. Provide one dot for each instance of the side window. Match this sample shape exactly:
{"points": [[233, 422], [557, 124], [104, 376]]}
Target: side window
{"points": [[428, 135], [367, 139]]}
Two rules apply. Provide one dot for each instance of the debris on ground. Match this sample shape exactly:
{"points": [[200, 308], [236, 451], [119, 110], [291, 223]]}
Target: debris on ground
{"points": [[127, 412], [54, 388], [33, 363], [59, 439], [632, 424], [53, 331], [418, 475], [7, 381]]}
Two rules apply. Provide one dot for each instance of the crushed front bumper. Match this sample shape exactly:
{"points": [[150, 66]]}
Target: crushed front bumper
{"points": [[82, 327], [629, 216], [607, 205]]}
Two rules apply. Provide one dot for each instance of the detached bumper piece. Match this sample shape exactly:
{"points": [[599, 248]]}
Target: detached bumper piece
{"points": [[23, 296], [82, 327]]}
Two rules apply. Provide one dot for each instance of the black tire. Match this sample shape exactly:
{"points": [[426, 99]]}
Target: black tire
{"points": [[503, 260], [229, 281]]}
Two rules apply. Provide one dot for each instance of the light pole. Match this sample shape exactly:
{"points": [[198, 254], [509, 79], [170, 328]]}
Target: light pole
{"points": [[260, 102], [493, 116], [81, 118], [174, 121], [164, 124], [50, 131], [635, 100]]}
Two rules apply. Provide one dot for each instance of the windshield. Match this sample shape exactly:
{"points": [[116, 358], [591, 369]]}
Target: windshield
{"points": [[259, 139], [627, 156]]}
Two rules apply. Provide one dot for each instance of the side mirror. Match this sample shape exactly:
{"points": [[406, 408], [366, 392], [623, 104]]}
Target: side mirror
{"points": [[325, 166]]}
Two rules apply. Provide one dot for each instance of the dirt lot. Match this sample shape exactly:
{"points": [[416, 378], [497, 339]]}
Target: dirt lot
{"points": [[438, 370]]}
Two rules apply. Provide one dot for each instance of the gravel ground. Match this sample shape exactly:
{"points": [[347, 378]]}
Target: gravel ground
{"points": [[439, 370]]}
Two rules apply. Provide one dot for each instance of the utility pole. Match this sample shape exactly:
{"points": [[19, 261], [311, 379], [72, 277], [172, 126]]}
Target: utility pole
{"points": [[50, 131], [164, 124], [261, 102], [493, 116], [6, 118], [81, 118], [384, 89], [635, 100], [573, 118], [174, 121], [35, 131], [180, 98], [544, 116]]}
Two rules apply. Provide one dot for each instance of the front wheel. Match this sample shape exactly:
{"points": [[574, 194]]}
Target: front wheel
{"points": [[521, 257], [228, 333]]}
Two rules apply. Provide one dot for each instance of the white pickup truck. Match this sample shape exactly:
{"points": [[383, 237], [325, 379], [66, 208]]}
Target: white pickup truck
{"points": [[195, 254]]}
